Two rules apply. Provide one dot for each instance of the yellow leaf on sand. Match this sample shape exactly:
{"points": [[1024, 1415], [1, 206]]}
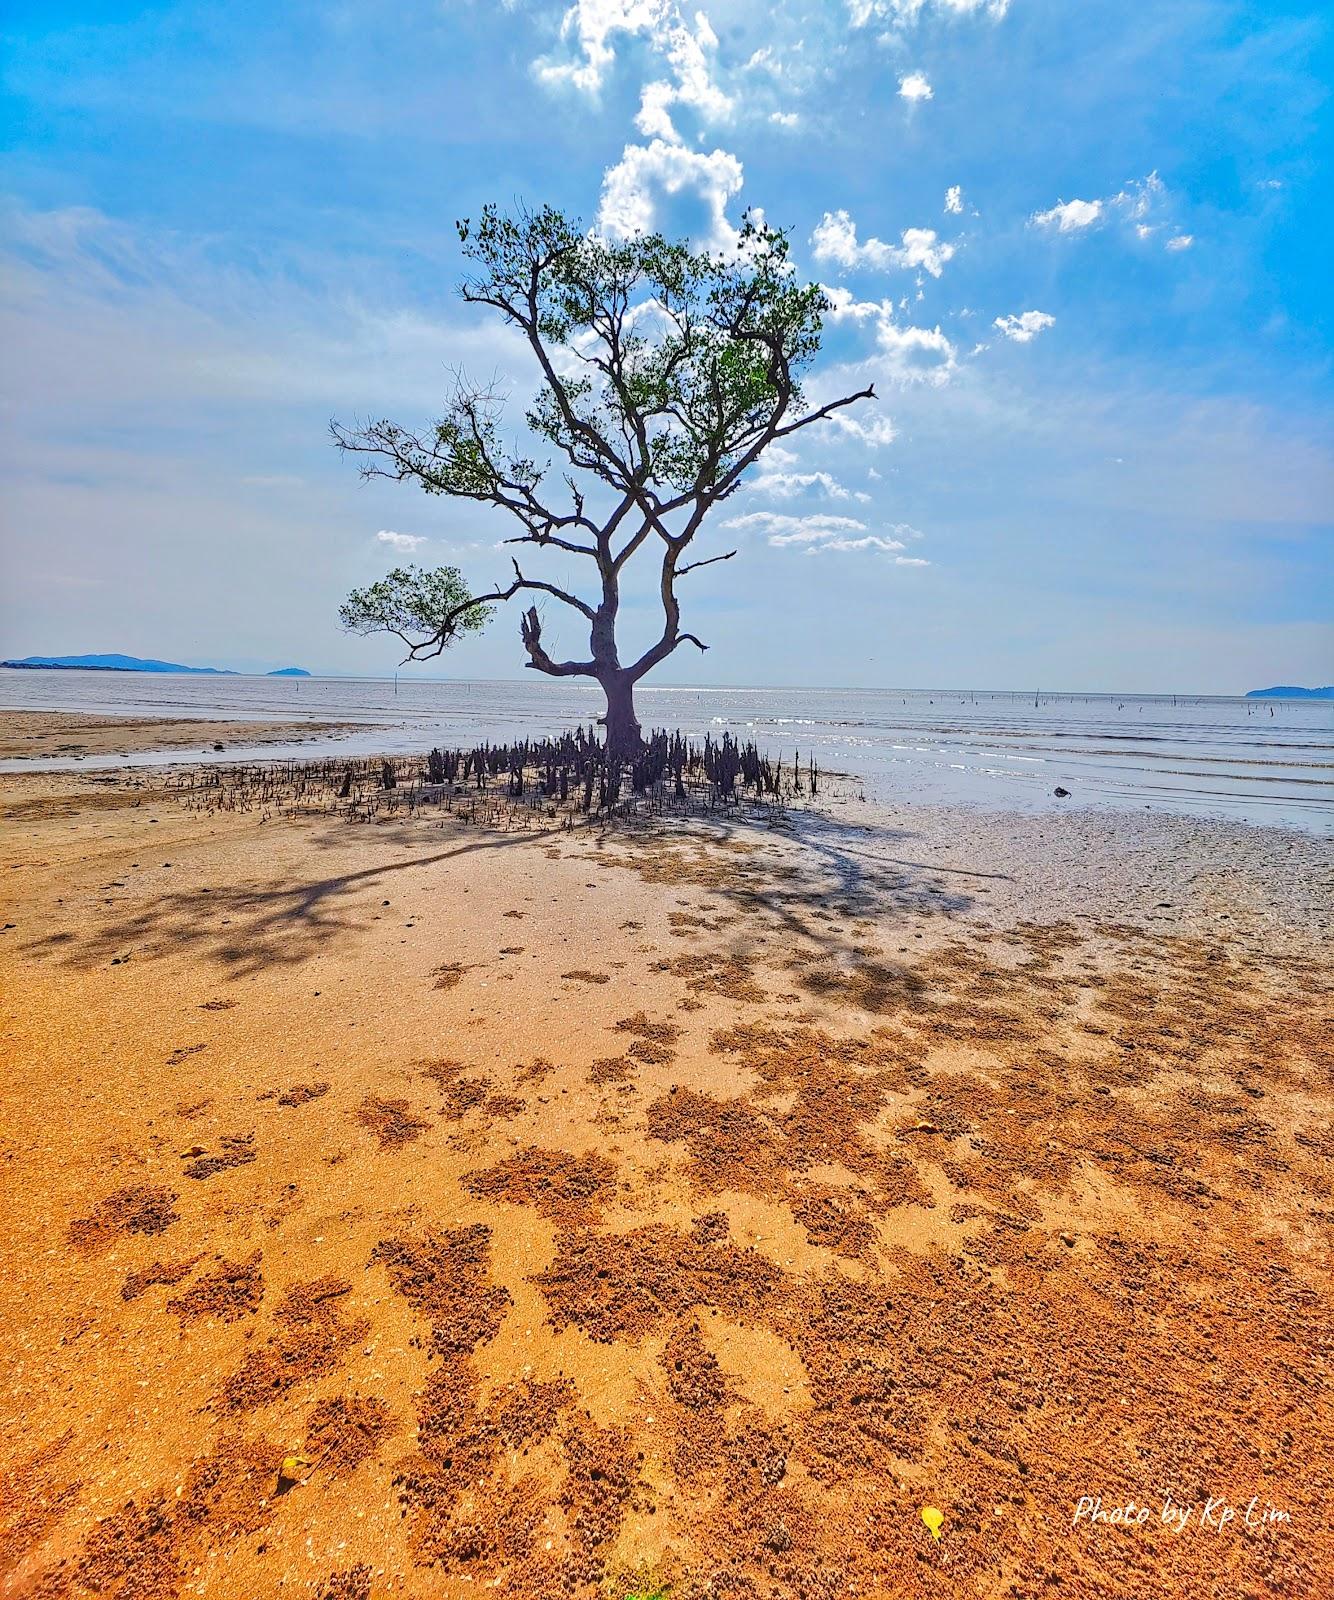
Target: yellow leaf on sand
{"points": [[933, 1520], [293, 1467]]}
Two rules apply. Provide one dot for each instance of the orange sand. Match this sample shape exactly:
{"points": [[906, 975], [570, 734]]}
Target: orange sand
{"points": [[587, 1213]]}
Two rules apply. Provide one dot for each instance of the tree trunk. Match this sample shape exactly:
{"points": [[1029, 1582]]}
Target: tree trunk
{"points": [[624, 739]]}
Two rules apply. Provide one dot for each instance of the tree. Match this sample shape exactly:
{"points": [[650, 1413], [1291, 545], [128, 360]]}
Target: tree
{"points": [[665, 374], [408, 601]]}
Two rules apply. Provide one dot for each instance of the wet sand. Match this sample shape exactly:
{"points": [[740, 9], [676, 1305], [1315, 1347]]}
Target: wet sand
{"points": [[42, 735], [419, 1209]]}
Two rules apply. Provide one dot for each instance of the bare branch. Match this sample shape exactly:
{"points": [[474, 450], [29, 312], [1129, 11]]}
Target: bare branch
{"points": [[694, 566]]}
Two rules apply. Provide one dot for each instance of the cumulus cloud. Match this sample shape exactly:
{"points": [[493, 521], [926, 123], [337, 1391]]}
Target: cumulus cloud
{"points": [[835, 239], [688, 50], [632, 189], [1180, 241], [912, 354], [404, 543], [954, 200], [916, 355], [1024, 326], [1068, 216], [915, 86]]}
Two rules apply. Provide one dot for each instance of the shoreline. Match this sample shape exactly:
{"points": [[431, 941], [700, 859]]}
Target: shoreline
{"points": [[611, 1207], [65, 736]]}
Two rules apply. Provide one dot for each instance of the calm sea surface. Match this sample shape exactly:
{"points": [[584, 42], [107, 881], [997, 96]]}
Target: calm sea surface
{"points": [[1250, 760]]}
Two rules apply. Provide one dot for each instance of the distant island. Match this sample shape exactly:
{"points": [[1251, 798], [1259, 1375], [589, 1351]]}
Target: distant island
{"points": [[116, 663], [1288, 691]]}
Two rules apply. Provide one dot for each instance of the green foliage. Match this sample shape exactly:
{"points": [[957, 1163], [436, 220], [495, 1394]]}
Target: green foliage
{"points": [[664, 373], [412, 601], [687, 356]]}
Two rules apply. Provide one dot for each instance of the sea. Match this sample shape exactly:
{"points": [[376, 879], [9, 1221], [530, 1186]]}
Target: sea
{"points": [[1264, 762]]}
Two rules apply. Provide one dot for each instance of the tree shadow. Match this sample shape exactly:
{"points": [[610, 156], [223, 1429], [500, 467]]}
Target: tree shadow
{"points": [[844, 873], [248, 927]]}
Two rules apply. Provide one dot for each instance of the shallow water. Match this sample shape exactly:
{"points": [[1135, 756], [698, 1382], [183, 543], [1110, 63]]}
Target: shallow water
{"points": [[1249, 760]]}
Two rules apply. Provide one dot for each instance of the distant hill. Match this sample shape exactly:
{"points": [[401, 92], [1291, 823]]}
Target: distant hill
{"points": [[115, 663], [1288, 691]]}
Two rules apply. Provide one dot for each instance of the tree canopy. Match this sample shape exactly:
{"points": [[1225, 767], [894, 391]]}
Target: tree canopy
{"points": [[664, 373]]}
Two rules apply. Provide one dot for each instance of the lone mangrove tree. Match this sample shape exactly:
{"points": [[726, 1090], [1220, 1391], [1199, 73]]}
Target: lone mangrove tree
{"points": [[665, 373]]}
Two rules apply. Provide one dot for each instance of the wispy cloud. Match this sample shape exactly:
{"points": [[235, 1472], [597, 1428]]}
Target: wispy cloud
{"points": [[1139, 206], [787, 485], [819, 532]]}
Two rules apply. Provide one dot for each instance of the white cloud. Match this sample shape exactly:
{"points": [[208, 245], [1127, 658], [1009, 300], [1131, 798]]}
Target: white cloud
{"points": [[687, 50], [631, 189], [689, 55], [404, 543], [820, 532], [783, 528], [593, 23], [879, 430], [1140, 204], [915, 86], [954, 200], [785, 119], [906, 12], [916, 355], [835, 239], [1140, 196], [1180, 241], [786, 485], [1067, 216], [1025, 326]]}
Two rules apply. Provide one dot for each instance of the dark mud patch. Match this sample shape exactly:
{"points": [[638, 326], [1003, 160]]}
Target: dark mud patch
{"points": [[730, 977], [611, 1069], [654, 1043], [141, 1208], [350, 1583], [236, 1150], [299, 1094], [234, 1290], [342, 1433], [625, 1285], [443, 1276], [158, 1272], [567, 1188], [393, 1122], [312, 1337], [694, 1378]]}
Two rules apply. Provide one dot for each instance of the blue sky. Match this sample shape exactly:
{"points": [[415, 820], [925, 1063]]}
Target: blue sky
{"points": [[1083, 251]]}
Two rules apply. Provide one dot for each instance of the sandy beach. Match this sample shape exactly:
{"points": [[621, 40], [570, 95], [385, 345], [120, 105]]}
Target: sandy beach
{"points": [[420, 1208], [38, 735]]}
